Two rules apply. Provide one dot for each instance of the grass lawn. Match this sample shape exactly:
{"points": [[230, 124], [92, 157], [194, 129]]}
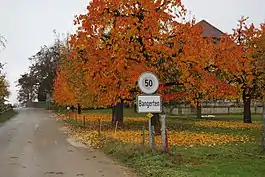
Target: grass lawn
{"points": [[202, 148], [128, 112], [7, 115]]}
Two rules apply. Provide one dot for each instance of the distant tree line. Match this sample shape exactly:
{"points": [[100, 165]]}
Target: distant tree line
{"points": [[4, 85], [37, 83]]}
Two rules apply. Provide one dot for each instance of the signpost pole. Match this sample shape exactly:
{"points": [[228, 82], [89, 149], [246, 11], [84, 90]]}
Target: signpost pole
{"points": [[151, 135], [163, 131], [148, 103], [143, 136]]}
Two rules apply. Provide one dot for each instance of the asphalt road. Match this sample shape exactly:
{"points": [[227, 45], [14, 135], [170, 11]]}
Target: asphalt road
{"points": [[32, 144]]}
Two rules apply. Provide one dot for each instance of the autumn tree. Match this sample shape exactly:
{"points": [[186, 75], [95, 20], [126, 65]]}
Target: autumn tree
{"points": [[70, 87], [195, 76], [241, 62], [63, 95], [260, 54], [122, 39], [198, 73]]}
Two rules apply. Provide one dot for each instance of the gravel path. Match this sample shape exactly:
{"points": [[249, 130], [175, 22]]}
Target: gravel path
{"points": [[32, 144]]}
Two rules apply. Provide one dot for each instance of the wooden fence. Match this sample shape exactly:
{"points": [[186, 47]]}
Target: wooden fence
{"points": [[212, 110]]}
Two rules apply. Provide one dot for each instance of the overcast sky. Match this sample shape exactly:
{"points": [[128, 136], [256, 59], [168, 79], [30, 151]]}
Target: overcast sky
{"points": [[29, 24]]}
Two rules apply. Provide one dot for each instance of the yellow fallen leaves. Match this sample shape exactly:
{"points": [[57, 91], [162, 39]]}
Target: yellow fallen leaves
{"points": [[131, 132], [90, 138], [183, 138], [126, 136], [186, 138], [227, 124], [136, 119], [96, 117]]}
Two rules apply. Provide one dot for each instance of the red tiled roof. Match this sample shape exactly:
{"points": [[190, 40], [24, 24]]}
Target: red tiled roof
{"points": [[210, 30]]}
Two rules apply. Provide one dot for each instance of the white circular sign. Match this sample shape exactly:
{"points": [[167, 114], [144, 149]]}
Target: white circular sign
{"points": [[148, 82]]}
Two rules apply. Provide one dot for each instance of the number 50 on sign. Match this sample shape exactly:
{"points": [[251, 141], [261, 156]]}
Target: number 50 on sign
{"points": [[148, 83]]}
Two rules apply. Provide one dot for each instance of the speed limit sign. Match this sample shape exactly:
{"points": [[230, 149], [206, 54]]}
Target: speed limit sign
{"points": [[148, 83]]}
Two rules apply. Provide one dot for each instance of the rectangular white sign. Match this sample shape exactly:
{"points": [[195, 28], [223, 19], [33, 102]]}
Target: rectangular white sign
{"points": [[149, 104]]}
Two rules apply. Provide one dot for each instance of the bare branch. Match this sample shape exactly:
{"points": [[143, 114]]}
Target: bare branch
{"points": [[3, 41]]}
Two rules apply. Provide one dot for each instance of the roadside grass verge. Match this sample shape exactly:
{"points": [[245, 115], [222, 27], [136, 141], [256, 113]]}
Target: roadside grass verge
{"points": [[7, 115], [213, 148]]}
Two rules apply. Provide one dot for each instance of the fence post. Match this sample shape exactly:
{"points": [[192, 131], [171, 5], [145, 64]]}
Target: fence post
{"points": [[99, 127], [143, 136], [151, 135], [84, 121], [167, 145], [163, 131]]}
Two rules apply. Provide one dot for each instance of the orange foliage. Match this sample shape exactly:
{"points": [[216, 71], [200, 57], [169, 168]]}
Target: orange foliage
{"points": [[70, 87], [62, 93], [240, 58], [198, 75], [123, 39], [118, 40]]}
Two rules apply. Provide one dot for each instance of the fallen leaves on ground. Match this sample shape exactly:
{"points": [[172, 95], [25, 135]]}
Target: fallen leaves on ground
{"points": [[131, 132], [182, 138], [227, 124], [88, 137], [97, 117]]}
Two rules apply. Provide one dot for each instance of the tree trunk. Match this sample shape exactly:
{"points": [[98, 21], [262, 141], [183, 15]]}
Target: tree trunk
{"points": [[247, 112], [156, 123], [199, 110], [78, 109], [113, 112], [117, 113], [263, 128]]}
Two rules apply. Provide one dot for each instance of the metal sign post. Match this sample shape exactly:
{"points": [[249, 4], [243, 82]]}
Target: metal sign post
{"points": [[151, 132], [148, 103], [163, 131]]}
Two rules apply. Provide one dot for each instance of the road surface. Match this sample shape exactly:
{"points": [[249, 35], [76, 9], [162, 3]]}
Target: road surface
{"points": [[33, 145]]}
